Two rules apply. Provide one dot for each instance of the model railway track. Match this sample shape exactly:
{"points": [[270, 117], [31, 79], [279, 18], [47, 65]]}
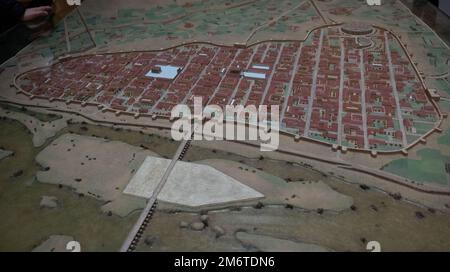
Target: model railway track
{"points": [[185, 149], [138, 230], [142, 228]]}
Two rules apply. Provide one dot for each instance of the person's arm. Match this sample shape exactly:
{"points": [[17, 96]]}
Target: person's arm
{"points": [[12, 11]]}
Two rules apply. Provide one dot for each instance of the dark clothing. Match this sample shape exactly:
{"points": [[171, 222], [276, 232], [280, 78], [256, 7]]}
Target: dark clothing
{"points": [[14, 35], [13, 40], [10, 13], [39, 3]]}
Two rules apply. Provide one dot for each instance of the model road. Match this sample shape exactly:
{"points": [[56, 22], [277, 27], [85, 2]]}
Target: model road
{"points": [[202, 73], [318, 11], [269, 81], [313, 86], [341, 90], [224, 75], [236, 89], [291, 82], [139, 227], [274, 20], [363, 98], [395, 92]]}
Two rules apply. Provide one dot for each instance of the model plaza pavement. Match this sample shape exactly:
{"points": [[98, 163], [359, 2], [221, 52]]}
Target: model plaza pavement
{"points": [[189, 184], [351, 86]]}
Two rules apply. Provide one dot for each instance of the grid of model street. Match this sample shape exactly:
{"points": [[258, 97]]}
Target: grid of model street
{"points": [[352, 86]]}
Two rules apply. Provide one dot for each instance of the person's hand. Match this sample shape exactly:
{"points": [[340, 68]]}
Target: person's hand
{"points": [[35, 13]]}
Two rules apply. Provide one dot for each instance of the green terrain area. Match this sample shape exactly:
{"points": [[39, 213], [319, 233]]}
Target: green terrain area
{"points": [[445, 139], [431, 167], [445, 104], [443, 85], [171, 21]]}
